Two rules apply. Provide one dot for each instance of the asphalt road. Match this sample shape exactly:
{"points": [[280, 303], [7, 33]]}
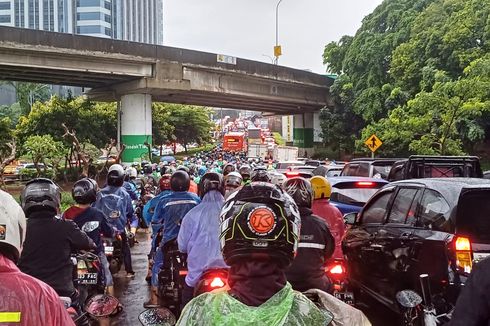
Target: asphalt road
{"points": [[133, 292]]}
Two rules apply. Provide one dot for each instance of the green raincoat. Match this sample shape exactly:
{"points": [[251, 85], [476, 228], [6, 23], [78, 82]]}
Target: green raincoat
{"points": [[286, 307]]}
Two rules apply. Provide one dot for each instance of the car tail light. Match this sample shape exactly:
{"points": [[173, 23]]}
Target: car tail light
{"points": [[292, 174], [463, 254], [365, 183], [217, 282]]}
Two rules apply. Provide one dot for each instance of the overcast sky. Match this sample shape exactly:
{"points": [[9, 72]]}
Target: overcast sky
{"points": [[246, 28]]}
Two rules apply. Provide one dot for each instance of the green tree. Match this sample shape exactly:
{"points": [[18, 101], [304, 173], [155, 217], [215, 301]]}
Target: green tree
{"points": [[43, 149], [95, 123]]}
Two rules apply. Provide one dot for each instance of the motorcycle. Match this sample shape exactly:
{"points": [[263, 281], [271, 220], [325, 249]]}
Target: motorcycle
{"points": [[88, 279], [113, 252], [337, 274], [212, 279], [171, 278], [419, 310]]}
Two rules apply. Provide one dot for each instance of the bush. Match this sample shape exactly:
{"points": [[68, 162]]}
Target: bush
{"points": [[28, 174], [278, 139], [66, 200]]}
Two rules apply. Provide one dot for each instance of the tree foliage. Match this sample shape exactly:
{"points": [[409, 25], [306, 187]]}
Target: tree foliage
{"points": [[418, 77], [95, 123]]}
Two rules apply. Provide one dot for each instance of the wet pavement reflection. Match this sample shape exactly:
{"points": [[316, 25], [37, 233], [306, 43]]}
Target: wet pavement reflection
{"points": [[133, 292]]}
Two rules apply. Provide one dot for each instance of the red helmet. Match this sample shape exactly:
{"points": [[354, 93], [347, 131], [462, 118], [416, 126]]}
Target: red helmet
{"points": [[164, 182]]}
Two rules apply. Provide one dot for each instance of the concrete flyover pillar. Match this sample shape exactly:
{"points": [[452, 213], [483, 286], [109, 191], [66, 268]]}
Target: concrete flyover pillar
{"points": [[303, 134], [136, 126]]}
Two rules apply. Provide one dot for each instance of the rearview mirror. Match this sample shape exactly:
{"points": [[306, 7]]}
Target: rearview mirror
{"points": [[157, 317], [350, 218], [408, 299]]}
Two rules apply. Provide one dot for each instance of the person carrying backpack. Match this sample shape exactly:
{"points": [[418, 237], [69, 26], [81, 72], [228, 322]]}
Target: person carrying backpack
{"points": [[115, 203]]}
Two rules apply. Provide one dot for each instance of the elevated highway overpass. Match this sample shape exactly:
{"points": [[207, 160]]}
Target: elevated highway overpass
{"points": [[137, 74]]}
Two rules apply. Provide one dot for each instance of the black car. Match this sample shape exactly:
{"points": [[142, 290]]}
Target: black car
{"points": [[424, 166], [439, 227], [368, 167]]}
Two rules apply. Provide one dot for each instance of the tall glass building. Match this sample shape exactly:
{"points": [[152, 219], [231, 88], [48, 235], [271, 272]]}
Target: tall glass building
{"points": [[131, 20]]}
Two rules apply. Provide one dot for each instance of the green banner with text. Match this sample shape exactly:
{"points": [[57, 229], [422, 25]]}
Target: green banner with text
{"points": [[136, 149]]}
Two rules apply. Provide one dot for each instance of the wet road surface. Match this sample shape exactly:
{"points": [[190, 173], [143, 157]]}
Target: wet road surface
{"points": [[133, 292]]}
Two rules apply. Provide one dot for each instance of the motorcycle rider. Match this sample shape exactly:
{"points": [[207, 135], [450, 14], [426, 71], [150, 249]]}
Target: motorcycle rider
{"points": [[116, 205], [199, 233], [25, 300], [245, 172], [331, 214], [473, 305], [228, 168], [233, 181], [193, 186], [169, 214], [91, 221], [50, 240], [260, 174], [260, 226], [316, 244]]}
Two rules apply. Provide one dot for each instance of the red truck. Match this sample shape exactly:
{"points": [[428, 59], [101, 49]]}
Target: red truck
{"points": [[234, 141]]}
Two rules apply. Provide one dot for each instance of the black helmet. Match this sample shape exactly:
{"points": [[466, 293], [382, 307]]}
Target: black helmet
{"points": [[180, 181], [260, 221], [40, 194], [233, 180], [211, 181], [260, 174], [84, 191], [245, 171], [115, 177], [301, 191], [228, 168]]}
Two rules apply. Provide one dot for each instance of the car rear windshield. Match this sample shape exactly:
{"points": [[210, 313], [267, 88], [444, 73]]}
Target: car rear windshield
{"points": [[353, 195], [473, 217], [283, 166]]}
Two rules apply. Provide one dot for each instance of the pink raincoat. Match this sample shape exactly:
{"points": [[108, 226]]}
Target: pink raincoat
{"points": [[27, 301], [335, 222]]}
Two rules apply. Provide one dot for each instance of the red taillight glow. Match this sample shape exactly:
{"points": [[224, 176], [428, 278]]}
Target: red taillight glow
{"points": [[336, 269], [182, 273], [217, 283], [365, 183], [292, 174]]}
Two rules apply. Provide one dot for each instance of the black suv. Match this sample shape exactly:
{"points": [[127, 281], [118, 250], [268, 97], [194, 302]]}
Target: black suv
{"points": [[422, 166], [368, 167], [439, 227]]}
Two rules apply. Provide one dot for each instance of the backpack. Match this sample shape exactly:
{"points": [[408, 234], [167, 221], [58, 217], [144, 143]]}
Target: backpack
{"points": [[112, 206]]}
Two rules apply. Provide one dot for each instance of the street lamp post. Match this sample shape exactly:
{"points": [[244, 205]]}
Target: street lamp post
{"points": [[277, 48]]}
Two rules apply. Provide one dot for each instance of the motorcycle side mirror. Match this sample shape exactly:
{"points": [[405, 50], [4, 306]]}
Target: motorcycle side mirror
{"points": [[408, 299], [102, 305], [157, 317], [350, 218]]}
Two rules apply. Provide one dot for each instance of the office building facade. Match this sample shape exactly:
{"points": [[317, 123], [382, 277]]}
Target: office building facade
{"points": [[130, 20]]}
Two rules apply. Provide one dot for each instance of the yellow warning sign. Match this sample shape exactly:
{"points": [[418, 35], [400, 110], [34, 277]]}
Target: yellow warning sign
{"points": [[373, 143]]}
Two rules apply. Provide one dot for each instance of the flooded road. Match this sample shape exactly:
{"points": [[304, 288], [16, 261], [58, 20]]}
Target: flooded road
{"points": [[133, 292]]}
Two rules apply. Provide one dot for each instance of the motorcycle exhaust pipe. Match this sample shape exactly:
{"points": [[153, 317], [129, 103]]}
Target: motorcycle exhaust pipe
{"points": [[425, 286]]}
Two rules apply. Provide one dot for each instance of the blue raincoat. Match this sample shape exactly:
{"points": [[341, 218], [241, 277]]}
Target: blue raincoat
{"points": [[127, 212], [199, 237]]}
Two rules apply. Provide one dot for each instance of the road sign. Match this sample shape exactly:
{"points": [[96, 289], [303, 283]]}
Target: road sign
{"points": [[277, 51], [373, 143]]}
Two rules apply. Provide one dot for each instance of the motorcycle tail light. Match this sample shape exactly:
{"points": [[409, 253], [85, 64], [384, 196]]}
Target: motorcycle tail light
{"points": [[182, 273], [336, 269], [217, 283], [292, 174], [464, 259]]}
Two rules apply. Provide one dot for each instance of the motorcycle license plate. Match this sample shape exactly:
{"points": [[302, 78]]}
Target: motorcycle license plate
{"points": [[345, 296], [109, 250], [87, 278]]}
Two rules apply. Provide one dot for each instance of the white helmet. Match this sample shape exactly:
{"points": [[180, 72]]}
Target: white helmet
{"points": [[12, 224], [278, 179]]}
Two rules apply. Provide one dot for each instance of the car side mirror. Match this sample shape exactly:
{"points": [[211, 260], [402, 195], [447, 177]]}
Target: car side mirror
{"points": [[350, 218]]}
